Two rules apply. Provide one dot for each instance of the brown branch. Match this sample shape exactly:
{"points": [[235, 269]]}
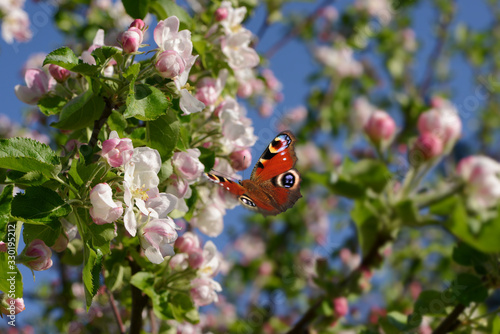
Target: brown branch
{"points": [[451, 322], [116, 312], [139, 301], [98, 124], [295, 31], [371, 259]]}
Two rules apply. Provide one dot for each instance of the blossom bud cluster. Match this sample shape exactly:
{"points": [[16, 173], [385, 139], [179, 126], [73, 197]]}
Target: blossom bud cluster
{"points": [[132, 39], [440, 128], [206, 261], [15, 22]]}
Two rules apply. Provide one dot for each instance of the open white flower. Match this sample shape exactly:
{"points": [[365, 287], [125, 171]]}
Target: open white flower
{"points": [[157, 237], [236, 48], [188, 103]]}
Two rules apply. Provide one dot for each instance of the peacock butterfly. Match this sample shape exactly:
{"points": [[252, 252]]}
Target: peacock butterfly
{"points": [[274, 185]]}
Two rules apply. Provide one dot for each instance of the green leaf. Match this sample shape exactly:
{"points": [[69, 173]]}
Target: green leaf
{"points": [[31, 178], [9, 273], [485, 240], [166, 8], [370, 173], [103, 53], [48, 232], [349, 189], [207, 158], [5, 206], [26, 155], [144, 281], [467, 256], [80, 112], [51, 105], [66, 58], [163, 134], [91, 271], [132, 72], [367, 225], [444, 207], [469, 288], [117, 122], [496, 325], [395, 323], [433, 302], [101, 236], [146, 103], [407, 211], [29, 208], [136, 9]]}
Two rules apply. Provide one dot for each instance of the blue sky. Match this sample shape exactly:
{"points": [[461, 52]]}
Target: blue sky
{"points": [[291, 65]]}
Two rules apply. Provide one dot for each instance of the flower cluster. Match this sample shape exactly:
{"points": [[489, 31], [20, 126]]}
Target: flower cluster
{"points": [[206, 262], [15, 22]]}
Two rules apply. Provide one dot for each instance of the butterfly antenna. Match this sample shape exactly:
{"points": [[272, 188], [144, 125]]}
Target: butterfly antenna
{"points": [[223, 174]]}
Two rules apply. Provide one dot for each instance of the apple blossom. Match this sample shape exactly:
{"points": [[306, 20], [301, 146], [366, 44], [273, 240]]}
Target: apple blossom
{"points": [[38, 83], [16, 26], [157, 237], [188, 103], [221, 13], [236, 127], [232, 17], [204, 291], [138, 23], [179, 262], [236, 48], [60, 74], [362, 110], [104, 209], [3, 247], [96, 43], [427, 146], [209, 89], [188, 165], [61, 243], [117, 151], [187, 243], [131, 40], [168, 37], [11, 306], [241, 160], [442, 121], [210, 220], [170, 64], [196, 259], [381, 9], [380, 127], [340, 60], [37, 256], [482, 177], [341, 307]]}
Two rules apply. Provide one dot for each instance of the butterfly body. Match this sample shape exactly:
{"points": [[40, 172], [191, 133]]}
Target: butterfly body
{"points": [[274, 185]]}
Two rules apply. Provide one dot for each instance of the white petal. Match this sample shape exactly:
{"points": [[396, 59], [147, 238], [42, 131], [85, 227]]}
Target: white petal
{"points": [[130, 222], [189, 104]]}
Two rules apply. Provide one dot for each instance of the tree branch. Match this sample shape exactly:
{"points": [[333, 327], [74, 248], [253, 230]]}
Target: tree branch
{"points": [[98, 124], [369, 261], [116, 312], [451, 322], [139, 301], [295, 31]]}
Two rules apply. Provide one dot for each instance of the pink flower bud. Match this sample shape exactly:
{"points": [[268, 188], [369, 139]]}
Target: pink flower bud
{"points": [[187, 243], [104, 209], [138, 23], [14, 306], [426, 147], [207, 92], [37, 255], [3, 247], [117, 151], [131, 40], [341, 307], [380, 127], [196, 258], [245, 89], [265, 268], [59, 73], [241, 160], [170, 64], [61, 243], [221, 13]]}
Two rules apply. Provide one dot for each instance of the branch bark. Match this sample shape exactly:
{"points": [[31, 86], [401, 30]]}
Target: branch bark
{"points": [[451, 322], [139, 301], [98, 124]]}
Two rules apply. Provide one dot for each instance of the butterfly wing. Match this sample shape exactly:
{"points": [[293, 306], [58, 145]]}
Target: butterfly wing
{"points": [[233, 187], [274, 185]]}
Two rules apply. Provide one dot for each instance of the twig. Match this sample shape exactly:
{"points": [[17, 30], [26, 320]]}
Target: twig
{"points": [[434, 56], [98, 124], [152, 319], [295, 31], [116, 312], [451, 322], [370, 259]]}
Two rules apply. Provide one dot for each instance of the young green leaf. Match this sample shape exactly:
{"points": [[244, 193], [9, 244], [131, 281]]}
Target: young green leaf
{"points": [[163, 134], [26, 155], [91, 271], [80, 112], [29, 208], [5, 207], [146, 103]]}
